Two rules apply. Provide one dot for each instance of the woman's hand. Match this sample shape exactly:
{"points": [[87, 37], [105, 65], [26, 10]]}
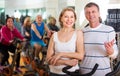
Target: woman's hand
{"points": [[27, 34], [11, 41], [54, 58], [72, 62], [24, 39], [49, 34], [109, 47]]}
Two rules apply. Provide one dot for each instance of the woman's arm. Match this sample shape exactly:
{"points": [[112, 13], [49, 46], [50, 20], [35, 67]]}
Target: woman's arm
{"points": [[33, 27], [50, 51], [4, 34], [18, 34], [47, 30], [80, 45], [70, 62]]}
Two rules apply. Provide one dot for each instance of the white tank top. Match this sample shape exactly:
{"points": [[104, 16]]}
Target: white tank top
{"points": [[69, 46]]}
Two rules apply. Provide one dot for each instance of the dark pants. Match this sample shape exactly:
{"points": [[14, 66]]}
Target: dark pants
{"points": [[4, 50], [26, 46], [53, 74]]}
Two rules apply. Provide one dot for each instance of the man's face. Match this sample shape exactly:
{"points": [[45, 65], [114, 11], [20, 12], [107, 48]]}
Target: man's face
{"points": [[92, 14], [39, 19]]}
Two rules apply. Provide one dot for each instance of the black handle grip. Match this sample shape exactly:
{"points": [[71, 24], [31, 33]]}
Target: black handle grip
{"points": [[117, 68], [93, 71], [77, 73]]}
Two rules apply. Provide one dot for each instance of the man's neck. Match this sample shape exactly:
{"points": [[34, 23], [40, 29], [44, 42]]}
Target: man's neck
{"points": [[94, 25]]}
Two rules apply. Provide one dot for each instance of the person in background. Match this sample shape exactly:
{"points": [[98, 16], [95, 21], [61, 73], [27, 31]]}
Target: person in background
{"points": [[53, 27], [99, 41], [52, 24], [38, 29], [7, 34], [25, 30], [66, 46], [17, 24]]}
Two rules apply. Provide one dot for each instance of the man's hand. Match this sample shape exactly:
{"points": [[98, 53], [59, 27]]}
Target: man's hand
{"points": [[109, 47]]}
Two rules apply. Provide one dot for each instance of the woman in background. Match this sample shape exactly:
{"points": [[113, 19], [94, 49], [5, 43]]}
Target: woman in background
{"points": [[25, 30], [52, 24], [7, 34]]}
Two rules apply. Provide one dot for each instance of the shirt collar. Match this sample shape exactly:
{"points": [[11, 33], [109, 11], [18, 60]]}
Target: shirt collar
{"points": [[95, 27]]}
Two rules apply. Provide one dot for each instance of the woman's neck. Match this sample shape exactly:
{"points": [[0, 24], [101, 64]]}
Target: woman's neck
{"points": [[67, 29], [11, 28], [39, 23]]}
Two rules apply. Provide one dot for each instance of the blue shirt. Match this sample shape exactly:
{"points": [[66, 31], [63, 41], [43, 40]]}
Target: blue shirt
{"points": [[34, 37]]}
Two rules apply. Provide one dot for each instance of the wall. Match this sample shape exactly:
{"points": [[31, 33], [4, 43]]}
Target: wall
{"points": [[12, 5], [2, 3], [79, 8], [54, 7]]}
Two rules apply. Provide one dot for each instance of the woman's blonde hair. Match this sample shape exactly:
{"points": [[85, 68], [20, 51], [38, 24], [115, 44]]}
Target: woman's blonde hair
{"points": [[26, 20], [51, 19]]}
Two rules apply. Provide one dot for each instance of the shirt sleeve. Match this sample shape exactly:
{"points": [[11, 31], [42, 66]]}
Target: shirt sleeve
{"points": [[112, 36], [5, 34], [18, 34]]}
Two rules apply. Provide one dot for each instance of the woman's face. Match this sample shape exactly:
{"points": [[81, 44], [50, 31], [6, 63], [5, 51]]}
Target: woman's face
{"points": [[68, 19], [28, 22], [53, 21], [10, 22]]}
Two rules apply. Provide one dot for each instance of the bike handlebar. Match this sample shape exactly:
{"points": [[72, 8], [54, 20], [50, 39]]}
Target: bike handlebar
{"points": [[77, 73], [116, 69]]}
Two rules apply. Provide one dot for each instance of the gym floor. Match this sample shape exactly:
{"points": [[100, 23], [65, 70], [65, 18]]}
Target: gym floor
{"points": [[21, 64]]}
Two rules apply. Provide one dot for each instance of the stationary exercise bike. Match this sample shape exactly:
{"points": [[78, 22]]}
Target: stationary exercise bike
{"points": [[116, 69], [77, 72], [9, 70], [41, 68]]}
